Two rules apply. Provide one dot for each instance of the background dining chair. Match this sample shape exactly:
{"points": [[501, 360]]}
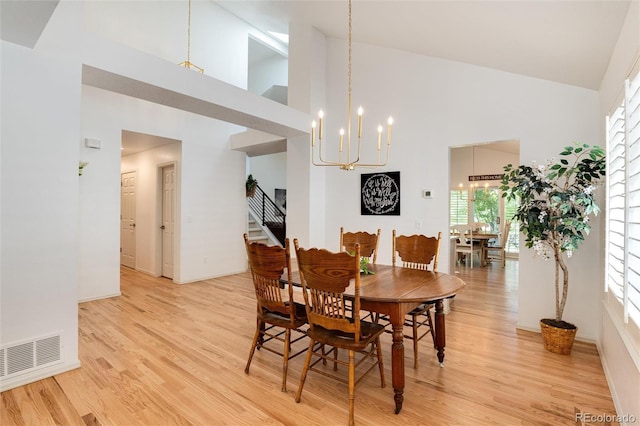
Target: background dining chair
{"points": [[368, 243], [465, 245], [368, 248], [498, 250], [325, 276], [417, 252], [276, 315]]}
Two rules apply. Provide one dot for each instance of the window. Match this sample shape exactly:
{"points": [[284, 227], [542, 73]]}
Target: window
{"points": [[486, 207], [623, 202], [459, 207]]}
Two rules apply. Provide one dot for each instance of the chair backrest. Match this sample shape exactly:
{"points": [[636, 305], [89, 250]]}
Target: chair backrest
{"points": [[504, 235], [465, 234], [267, 265], [416, 251], [481, 226], [368, 243], [325, 276]]}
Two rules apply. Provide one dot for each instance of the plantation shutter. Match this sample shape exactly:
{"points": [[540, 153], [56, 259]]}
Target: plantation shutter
{"points": [[616, 205], [459, 207], [623, 202], [632, 300]]}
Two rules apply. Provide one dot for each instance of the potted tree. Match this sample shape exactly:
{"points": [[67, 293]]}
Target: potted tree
{"points": [[555, 202], [251, 185]]}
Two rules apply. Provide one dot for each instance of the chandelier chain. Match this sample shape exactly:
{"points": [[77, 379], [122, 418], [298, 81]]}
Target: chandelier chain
{"points": [[349, 41], [187, 63], [189, 34], [352, 161], [349, 89]]}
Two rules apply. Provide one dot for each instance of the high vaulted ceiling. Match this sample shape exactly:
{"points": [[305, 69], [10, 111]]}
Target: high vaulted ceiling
{"points": [[565, 41]]}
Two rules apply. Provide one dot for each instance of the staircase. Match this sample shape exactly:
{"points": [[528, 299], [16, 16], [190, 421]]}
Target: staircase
{"points": [[265, 219], [255, 232]]}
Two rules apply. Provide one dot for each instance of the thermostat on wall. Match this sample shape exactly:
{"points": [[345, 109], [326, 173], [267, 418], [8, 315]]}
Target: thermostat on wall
{"points": [[427, 193], [92, 143]]}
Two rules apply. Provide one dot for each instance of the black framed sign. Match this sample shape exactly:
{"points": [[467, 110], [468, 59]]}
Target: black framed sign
{"points": [[380, 194]]}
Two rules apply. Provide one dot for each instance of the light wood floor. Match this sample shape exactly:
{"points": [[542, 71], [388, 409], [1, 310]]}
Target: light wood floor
{"points": [[164, 354]]}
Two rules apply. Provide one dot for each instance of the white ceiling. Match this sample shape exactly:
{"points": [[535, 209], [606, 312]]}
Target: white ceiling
{"points": [[565, 41], [134, 142]]}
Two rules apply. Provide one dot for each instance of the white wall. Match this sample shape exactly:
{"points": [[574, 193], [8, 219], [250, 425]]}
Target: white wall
{"points": [[39, 267], [99, 254], [268, 72], [306, 184], [210, 206], [60, 232], [438, 104], [219, 40], [270, 171], [618, 341]]}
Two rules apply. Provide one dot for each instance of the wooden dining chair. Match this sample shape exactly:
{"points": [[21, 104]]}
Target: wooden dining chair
{"points": [[417, 252], [466, 246], [368, 243], [368, 248], [498, 250], [276, 314], [325, 276]]}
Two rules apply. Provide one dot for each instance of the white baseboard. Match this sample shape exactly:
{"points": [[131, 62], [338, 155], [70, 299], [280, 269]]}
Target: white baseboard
{"points": [[34, 376], [537, 330], [106, 296], [211, 277]]}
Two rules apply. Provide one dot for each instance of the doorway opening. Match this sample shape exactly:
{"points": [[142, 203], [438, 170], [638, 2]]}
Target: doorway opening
{"points": [[475, 196], [155, 161]]}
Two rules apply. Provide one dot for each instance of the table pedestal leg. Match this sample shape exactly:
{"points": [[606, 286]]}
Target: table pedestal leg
{"points": [[440, 336], [397, 361]]}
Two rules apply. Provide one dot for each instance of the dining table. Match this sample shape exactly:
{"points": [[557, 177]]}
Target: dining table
{"points": [[482, 237], [395, 291]]}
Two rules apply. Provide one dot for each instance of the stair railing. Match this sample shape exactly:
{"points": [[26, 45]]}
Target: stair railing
{"points": [[270, 215]]}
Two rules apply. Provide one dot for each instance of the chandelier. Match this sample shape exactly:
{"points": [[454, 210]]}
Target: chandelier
{"points": [[187, 63], [351, 159]]}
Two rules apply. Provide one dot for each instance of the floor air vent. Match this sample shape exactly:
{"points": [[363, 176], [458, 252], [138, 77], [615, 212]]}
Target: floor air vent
{"points": [[27, 356]]}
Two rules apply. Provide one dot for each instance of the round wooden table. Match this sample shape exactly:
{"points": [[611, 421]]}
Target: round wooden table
{"points": [[395, 291]]}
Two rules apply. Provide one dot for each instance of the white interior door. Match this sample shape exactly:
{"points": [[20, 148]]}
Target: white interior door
{"points": [[168, 209], [128, 219]]}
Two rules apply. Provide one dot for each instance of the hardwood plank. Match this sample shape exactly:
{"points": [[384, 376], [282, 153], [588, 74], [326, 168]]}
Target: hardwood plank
{"points": [[174, 354]]}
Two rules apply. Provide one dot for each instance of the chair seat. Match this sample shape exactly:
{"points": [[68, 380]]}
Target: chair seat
{"points": [[278, 316], [420, 309], [369, 332], [283, 320]]}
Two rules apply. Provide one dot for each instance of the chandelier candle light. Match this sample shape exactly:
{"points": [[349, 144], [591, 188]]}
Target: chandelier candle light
{"points": [[352, 160]]}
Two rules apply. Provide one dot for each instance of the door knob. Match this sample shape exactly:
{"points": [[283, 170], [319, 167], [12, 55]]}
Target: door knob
{"points": [[162, 227]]}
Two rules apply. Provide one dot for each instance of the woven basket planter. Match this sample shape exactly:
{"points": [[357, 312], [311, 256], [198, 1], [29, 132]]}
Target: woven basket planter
{"points": [[557, 340]]}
